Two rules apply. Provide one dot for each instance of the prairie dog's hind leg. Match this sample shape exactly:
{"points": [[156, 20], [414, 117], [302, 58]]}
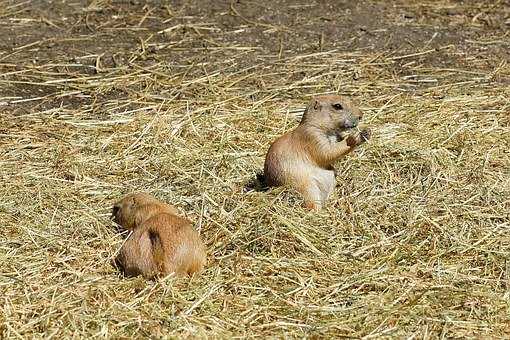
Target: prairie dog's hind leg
{"points": [[325, 182], [312, 195]]}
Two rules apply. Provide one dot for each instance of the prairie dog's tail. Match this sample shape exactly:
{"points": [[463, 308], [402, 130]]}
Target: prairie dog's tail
{"points": [[157, 249], [258, 183]]}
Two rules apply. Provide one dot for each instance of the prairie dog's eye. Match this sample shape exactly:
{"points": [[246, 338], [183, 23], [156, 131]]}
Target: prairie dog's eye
{"points": [[338, 106]]}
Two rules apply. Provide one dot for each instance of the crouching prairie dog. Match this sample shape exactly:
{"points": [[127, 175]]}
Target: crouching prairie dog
{"points": [[161, 242], [302, 158]]}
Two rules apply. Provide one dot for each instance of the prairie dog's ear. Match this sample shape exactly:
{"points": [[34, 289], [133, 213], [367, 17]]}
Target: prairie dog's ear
{"points": [[316, 104], [313, 105], [133, 202]]}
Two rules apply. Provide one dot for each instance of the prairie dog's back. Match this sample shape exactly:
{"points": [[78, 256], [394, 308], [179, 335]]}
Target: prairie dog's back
{"points": [[184, 251], [287, 152]]}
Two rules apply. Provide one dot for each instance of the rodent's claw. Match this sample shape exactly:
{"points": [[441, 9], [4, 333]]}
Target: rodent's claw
{"points": [[365, 135]]}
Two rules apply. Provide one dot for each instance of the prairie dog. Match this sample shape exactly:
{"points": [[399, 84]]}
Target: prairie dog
{"points": [[302, 158], [161, 242]]}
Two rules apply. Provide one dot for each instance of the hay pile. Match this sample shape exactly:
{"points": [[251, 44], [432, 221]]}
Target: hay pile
{"points": [[415, 240]]}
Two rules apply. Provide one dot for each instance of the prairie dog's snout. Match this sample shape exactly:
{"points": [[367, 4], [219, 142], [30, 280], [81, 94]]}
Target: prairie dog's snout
{"points": [[115, 212], [351, 114], [352, 122]]}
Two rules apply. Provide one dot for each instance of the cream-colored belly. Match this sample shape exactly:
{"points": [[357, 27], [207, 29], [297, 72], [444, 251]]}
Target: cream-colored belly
{"points": [[325, 181]]}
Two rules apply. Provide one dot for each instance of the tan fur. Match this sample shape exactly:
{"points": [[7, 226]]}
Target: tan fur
{"points": [[161, 242], [302, 158]]}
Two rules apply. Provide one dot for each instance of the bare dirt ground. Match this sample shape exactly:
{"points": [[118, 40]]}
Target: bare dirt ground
{"points": [[182, 99]]}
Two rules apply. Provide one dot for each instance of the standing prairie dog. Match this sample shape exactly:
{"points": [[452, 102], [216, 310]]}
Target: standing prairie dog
{"points": [[160, 243], [302, 158]]}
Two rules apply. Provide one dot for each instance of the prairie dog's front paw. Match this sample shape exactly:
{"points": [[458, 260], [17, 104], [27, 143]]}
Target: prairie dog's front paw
{"points": [[358, 138], [365, 135]]}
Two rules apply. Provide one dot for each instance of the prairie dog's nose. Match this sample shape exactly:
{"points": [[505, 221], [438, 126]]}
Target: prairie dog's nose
{"points": [[115, 210], [352, 122]]}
